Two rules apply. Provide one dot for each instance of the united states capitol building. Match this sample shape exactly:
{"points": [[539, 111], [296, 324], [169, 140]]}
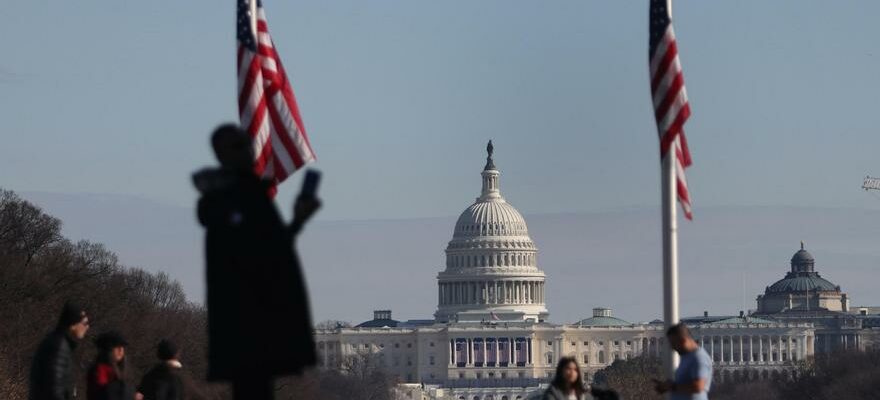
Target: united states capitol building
{"points": [[491, 337]]}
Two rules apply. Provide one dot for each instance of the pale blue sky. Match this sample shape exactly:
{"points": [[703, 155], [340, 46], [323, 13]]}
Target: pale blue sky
{"points": [[399, 98]]}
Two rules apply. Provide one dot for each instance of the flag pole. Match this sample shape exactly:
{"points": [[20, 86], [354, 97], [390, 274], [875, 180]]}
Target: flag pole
{"points": [[670, 257], [252, 4]]}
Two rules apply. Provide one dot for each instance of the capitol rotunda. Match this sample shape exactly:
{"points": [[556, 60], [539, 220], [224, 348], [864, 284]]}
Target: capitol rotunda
{"points": [[491, 262]]}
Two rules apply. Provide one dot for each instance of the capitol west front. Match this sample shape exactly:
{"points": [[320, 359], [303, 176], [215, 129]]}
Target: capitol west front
{"points": [[491, 339]]}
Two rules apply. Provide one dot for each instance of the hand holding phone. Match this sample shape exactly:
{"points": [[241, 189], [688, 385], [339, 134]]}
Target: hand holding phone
{"points": [[307, 202]]}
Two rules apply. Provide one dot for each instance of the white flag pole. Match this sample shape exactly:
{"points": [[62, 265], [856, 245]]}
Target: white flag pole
{"points": [[253, 8], [670, 257], [670, 247]]}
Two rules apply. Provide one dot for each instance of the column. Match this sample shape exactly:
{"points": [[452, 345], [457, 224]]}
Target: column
{"points": [[512, 351], [760, 348], [751, 350], [741, 361], [711, 347], [730, 352], [721, 350], [530, 361], [451, 351], [788, 341], [470, 357], [779, 350]]}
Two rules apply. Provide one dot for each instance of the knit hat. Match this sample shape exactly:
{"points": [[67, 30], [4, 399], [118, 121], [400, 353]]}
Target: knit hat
{"points": [[71, 314], [109, 340], [167, 350]]}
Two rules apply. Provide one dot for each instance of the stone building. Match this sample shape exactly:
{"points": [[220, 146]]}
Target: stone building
{"points": [[491, 339]]}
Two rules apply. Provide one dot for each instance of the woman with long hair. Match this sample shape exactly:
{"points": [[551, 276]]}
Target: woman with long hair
{"points": [[106, 378], [568, 384]]}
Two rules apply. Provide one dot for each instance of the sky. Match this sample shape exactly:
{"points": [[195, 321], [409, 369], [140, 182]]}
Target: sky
{"points": [[118, 98], [399, 98]]}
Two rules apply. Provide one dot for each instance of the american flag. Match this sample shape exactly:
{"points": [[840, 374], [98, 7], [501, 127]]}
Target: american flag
{"points": [[266, 105], [671, 108]]}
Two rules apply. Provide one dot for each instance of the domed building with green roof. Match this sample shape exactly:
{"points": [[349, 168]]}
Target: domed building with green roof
{"points": [[802, 289]]}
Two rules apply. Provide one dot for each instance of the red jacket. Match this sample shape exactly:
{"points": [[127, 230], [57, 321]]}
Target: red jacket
{"points": [[100, 378]]}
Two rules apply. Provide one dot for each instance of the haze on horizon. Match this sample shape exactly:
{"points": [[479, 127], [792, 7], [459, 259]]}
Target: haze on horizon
{"points": [[399, 98]]}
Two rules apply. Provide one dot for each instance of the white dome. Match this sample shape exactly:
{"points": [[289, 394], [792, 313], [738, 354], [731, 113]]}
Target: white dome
{"points": [[494, 217], [491, 262]]}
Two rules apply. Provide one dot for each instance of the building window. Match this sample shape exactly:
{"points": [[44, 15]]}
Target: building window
{"points": [[586, 343], [431, 360], [616, 342], [573, 344], [431, 344], [586, 358], [550, 358], [601, 343], [601, 357], [409, 345], [460, 375], [366, 345], [479, 375], [521, 374], [549, 343], [397, 345], [503, 375], [491, 374], [629, 343]]}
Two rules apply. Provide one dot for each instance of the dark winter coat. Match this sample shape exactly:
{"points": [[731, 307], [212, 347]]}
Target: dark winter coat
{"points": [[51, 375], [259, 323], [163, 382]]}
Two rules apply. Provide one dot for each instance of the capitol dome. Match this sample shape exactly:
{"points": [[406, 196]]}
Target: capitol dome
{"points": [[491, 272]]}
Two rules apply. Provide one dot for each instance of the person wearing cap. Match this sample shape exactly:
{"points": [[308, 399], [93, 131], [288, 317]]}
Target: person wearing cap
{"points": [[106, 378], [51, 375], [164, 381]]}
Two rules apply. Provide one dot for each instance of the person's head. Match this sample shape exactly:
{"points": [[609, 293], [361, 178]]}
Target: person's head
{"points": [[568, 376], [111, 347], [679, 337], [167, 350], [73, 320], [233, 147]]}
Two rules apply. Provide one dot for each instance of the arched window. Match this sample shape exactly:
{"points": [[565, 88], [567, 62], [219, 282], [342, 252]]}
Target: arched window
{"points": [[601, 357]]}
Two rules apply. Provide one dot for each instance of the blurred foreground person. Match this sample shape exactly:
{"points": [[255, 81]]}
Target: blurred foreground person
{"points": [[693, 377], [259, 324], [106, 379], [165, 381], [51, 376], [567, 384]]}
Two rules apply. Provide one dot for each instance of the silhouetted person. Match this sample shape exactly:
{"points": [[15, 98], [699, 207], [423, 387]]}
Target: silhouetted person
{"points": [[567, 383], [259, 324], [165, 380], [51, 376], [693, 377], [106, 379]]}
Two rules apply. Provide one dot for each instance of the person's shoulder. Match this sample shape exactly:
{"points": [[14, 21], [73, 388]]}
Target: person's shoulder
{"points": [[703, 355], [210, 180]]}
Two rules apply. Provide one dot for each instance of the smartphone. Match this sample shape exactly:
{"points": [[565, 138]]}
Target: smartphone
{"points": [[310, 184]]}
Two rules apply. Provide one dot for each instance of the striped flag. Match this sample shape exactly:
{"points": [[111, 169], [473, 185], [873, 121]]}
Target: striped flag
{"points": [[671, 108], [266, 105]]}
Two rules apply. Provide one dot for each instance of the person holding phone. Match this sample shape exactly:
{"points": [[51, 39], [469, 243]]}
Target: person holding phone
{"points": [[693, 377], [259, 321]]}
